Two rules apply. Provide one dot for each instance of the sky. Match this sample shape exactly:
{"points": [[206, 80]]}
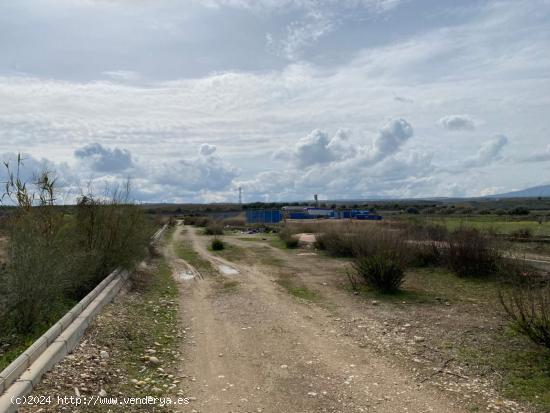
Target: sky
{"points": [[348, 99]]}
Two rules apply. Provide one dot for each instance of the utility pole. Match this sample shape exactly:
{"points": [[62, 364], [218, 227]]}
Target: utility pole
{"points": [[240, 195]]}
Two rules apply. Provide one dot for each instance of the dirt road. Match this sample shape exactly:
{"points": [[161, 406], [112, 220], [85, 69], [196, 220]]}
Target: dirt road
{"points": [[252, 347]]}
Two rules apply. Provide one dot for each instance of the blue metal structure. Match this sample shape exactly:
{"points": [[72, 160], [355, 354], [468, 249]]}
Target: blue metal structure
{"points": [[263, 216], [273, 216]]}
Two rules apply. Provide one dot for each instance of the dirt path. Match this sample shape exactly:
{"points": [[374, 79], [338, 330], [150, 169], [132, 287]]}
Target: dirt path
{"points": [[252, 347]]}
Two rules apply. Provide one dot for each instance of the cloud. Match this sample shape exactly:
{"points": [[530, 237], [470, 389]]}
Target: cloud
{"points": [[122, 75], [252, 107], [301, 34], [457, 122], [390, 138], [197, 175], [318, 148], [319, 19], [30, 167], [101, 159], [489, 152], [262, 6], [539, 156], [207, 149], [402, 99], [337, 167], [179, 180]]}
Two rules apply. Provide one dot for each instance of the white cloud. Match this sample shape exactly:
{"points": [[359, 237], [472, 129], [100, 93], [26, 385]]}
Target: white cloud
{"points": [[206, 149], [285, 5], [457, 122], [301, 34], [318, 148], [489, 66], [489, 152], [101, 159], [538, 156], [390, 138], [122, 75], [178, 180]]}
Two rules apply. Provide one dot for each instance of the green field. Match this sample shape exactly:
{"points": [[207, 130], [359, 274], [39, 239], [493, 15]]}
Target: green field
{"points": [[497, 224]]}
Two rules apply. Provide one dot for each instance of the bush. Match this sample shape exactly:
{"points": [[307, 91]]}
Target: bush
{"points": [[382, 272], [109, 233], [520, 210], [472, 253], [287, 236], [38, 275], [412, 210], [217, 244], [235, 221], [54, 257], [335, 242], [522, 233], [529, 312], [214, 228], [425, 255], [141, 280], [198, 221]]}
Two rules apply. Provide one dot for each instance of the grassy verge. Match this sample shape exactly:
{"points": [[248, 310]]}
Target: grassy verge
{"points": [[299, 291], [12, 345], [3, 243], [130, 350], [155, 311], [185, 250], [225, 286], [231, 252], [524, 367], [434, 285]]}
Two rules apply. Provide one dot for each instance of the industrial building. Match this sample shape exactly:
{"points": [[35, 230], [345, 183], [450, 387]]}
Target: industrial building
{"points": [[272, 216]]}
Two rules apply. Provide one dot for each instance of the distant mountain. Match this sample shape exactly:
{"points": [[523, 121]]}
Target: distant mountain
{"points": [[533, 192]]}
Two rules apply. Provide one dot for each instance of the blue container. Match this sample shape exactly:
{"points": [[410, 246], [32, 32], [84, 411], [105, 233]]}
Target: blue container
{"points": [[263, 216], [300, 215]]}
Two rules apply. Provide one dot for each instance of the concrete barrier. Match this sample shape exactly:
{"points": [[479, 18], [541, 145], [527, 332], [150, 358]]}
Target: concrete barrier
{"points": [[25, 372]]}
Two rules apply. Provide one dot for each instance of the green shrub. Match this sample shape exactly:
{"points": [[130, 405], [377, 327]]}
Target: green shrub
{"points": [[55, 257], [472, 253], [520, 210], [217, 244], [235, 221], [381, 272], [424, 255], [288, 237], [199, 221], [522, 233], [214, 228], [529, 311], [335, 242]]}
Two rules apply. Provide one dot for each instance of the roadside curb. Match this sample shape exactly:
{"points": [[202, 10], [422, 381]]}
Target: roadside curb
{"points": [[26, 371]]}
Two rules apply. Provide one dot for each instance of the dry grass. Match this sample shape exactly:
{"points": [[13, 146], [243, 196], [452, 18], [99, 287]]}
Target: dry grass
{"points": [[238, 221], [3, 243]]}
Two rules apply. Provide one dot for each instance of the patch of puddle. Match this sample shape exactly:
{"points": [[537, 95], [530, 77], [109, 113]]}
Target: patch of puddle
{"points": [[226, 270], [185, 276], [307, 253]]}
